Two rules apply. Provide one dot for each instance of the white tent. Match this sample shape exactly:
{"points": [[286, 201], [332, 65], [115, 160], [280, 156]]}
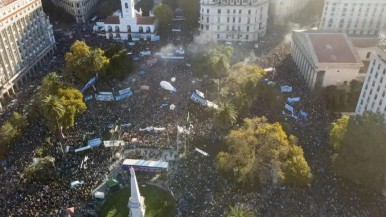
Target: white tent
{"points": [[99, 195], [167, 86]]}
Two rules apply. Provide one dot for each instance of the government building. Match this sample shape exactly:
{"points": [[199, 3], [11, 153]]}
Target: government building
{"points": [[129, 24], [232, 20], [26, 41], [325, 58], [354, 17], [81, 10]]}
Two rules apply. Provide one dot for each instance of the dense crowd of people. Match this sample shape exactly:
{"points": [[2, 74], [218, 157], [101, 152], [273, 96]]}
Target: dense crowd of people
{"points": [[194, 181]]}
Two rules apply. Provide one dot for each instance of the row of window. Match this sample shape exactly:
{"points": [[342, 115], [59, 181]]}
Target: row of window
{"points": [[233, 28], [240, 20], [241, 11]]}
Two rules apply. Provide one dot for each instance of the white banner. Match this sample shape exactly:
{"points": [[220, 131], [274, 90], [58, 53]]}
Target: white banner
{"points": [[289, 108], [202, 152], [295, 99]]}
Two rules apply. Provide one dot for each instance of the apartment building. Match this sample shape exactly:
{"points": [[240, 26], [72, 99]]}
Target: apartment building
{"points": [[80, 9], [232, 20], [281, 10], [354, 17], [26, 41]]}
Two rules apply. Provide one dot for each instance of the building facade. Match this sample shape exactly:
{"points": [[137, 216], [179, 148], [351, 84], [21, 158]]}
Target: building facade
{"points": [[81, 10], [281, 10], [354, 17], [26, 41], [373, 94], [232, 20], [325, 58], [130, 24], [364, 46]]}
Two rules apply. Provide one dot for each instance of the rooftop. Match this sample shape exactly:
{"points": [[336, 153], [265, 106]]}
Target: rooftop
{"points": [[361, 42], [141, 20], [5, 2], [112, 20], [332, 48]]}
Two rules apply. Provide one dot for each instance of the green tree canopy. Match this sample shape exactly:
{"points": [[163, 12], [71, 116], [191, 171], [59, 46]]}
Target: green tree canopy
{"points": [[52, 111], [11, 130], [191, 11], [226, 116], [120, 65], [42, 170], [73, 104], [164, 15], [337, 132], [239, 211], [242, 85], [83, 62], [361, 155], [262, 152], [51, 84]]}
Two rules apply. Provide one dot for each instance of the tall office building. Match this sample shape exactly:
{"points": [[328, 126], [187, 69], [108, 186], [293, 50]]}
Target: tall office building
{"points": [[281, 10], [81, 10], [354, 17], [373, 94], [26, 40], [232, 20]]}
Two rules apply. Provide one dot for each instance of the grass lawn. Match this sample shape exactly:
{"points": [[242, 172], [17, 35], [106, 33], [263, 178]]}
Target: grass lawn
{"points": [[159, 203]]}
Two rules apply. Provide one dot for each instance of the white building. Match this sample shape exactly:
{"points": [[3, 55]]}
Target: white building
{"points": [[281, 10], [373, 94], [26, 41], [232, 20], [325, 58], [130, 24], [81, 10], [136, 202], [355, 17]]}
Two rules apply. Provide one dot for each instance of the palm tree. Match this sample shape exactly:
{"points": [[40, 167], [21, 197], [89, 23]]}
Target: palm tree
{"points": [[239, 211], [226, 115], [220, 66], [53, 110]]}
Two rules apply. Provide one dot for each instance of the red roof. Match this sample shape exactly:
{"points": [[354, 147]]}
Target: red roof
{"points": [[332, 48], [141, 20], [112, 20]]}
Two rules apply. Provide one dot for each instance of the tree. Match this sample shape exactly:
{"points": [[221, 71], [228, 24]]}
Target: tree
{"points": [[73, 104], [361, 155], [239, 211], [164, 15], [191, 11], [53, 110], [11, 130], [262, 152], [337, 132], [120, 65], [242, 85], [226, 116], [50, 84], [83, 62], [42, 170], [296, 169]]}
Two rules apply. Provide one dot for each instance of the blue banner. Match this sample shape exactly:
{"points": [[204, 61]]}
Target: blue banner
{"points": [[196, 98], [94, 142], [89, 84], [123, 96], [88, 98]]}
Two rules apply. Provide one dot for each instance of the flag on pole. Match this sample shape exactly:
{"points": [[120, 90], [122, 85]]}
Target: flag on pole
{"points": [[187, 118]]}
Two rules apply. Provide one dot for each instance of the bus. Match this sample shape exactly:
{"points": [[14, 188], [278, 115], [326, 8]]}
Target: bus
{"points": [[145, 165]]}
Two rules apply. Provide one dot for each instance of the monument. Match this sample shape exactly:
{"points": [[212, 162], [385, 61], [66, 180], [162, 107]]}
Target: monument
{"points": [[136, 201]]}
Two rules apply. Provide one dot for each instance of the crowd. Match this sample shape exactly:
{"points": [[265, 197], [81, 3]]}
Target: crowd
{"points": [[198, 188]]}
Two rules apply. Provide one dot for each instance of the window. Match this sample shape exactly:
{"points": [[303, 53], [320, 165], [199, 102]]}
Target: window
{"points": [[218, 27], [219, 11], [249, 11], [207, 11], [126, 5], [228, 19], [368, 55], [240, 11]]}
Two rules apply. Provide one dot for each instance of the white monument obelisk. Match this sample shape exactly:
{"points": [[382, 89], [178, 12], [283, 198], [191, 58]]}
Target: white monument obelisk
{"points": [[136, 201]]}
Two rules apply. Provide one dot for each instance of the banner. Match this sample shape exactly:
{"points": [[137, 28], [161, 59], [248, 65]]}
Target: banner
{"points": [[104, 96], [303, 114], [200, 94], [82, 149], [286, 89], [114, 143], [202, 152], [127, 90], [151, 61], [88, 98], [196, 98], [155, 38], [94, 142], [295, 99], [289, 108], [211, 104], [89, 84]]}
